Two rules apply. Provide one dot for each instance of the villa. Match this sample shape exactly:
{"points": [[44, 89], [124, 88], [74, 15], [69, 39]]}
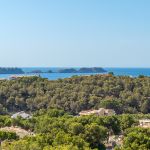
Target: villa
{"points": [[145, 123], [21, 114], [99, 112]]}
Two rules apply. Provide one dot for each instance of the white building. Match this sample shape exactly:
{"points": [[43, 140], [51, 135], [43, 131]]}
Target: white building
{"points": [[99, 112], [21, 114], [144, 123]]}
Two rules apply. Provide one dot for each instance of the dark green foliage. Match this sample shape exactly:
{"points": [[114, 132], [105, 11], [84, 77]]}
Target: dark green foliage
{"points": [[141, 76], [8, 136], [5, 121], [54, 128], [145, 106], [116, 105], [127, 121], [123, 94], [95, 134], [24, 123], [137, 139]]}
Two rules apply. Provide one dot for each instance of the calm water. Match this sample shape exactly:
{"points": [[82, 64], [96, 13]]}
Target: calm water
{"points": [[130, 71], [117, 71]]}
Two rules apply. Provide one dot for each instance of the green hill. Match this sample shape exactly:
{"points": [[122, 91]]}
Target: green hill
{"points": [[123, 94]]}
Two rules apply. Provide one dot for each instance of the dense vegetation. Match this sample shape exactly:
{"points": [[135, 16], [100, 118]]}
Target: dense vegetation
{"points": [[11, 71], [136, 139], [123, 94], [8, 136], [56, 129]]}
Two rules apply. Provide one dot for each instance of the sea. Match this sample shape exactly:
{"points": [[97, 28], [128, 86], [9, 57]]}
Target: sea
{"points": [[132, 72]]}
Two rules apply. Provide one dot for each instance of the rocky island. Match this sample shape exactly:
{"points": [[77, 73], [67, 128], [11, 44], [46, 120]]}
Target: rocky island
{"points": [[11, 71], [40, 71], [91, 70], [36, 71], [83, 70], [68, 70]]}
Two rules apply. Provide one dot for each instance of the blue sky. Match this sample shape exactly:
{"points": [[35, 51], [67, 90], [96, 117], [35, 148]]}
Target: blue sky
{"points": [[46, 33]]}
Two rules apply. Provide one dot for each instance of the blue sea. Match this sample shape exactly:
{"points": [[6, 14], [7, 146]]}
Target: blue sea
{"points": [[133, 72]]}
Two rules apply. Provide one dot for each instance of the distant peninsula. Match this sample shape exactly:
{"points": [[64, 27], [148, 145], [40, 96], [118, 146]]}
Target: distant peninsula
{"points": [[11, 71]]}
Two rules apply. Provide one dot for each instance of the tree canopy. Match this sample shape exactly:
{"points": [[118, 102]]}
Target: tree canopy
{"points": [[121, 93]]}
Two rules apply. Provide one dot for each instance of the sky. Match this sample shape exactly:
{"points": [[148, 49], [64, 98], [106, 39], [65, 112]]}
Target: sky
{"points": [[74, 33]]}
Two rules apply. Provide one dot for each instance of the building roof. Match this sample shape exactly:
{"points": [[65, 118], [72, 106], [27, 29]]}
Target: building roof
{"points": [[144, 120], [21, 114], [99, 111]]}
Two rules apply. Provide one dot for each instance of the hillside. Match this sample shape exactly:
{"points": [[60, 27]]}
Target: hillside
{"points": [[123, 94], [54, 129]]}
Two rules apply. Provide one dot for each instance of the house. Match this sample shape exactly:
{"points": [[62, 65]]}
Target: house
{"points": [[99, 112], [144, 123], [13, 77], [21, 114]]}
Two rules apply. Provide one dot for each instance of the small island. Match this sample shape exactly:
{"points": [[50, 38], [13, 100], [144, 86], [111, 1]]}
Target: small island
{"points": [[91, 70], [36, 71], [40, 71], [82, 70], [11, 71], [69, 70], [49, 71]]}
